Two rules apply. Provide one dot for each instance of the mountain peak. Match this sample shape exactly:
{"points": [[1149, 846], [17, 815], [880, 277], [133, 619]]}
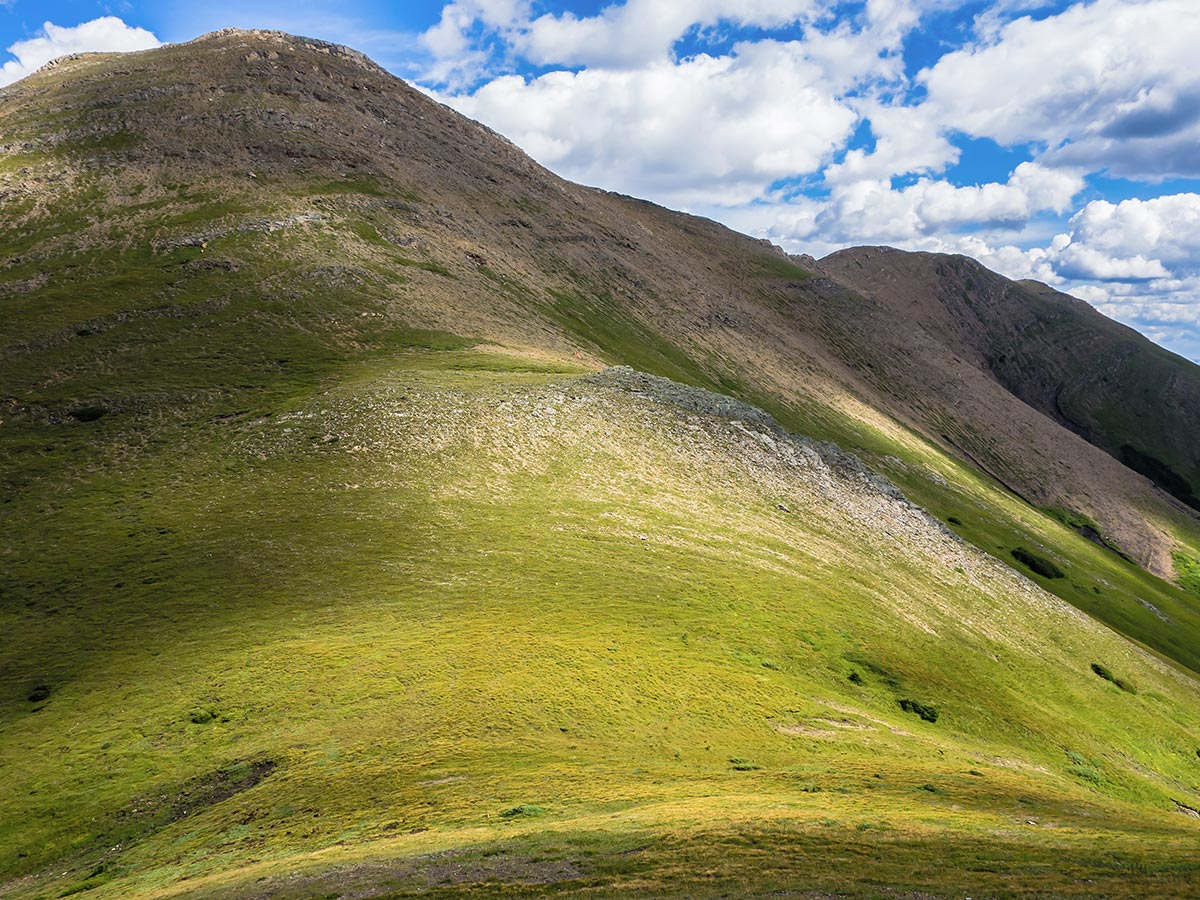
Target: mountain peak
{"points": [[281, 41]]}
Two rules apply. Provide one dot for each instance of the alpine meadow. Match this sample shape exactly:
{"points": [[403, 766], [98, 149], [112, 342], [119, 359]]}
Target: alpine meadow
{"points": [[386, 516]]}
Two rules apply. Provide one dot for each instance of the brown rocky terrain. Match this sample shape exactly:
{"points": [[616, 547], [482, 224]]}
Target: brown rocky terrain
{"points": [[1100, 379]]}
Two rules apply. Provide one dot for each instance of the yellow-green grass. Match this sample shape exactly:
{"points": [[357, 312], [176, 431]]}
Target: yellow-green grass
{"points": [[418, 574], [154, 328], [457, 584]]}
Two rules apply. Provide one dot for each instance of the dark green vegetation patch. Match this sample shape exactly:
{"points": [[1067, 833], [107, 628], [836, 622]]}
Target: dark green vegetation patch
{"points": [[1106, 673], [1037, 564], [916, 707], [1188, 570], [523, 811], [741, 764]]}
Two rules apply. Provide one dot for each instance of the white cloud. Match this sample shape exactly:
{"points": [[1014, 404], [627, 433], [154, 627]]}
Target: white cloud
{"points": [[621, 35], [106, 34], [1165, 229], [1110, 84], [906, 141], [1081, 262], [456, 56], [712, 130], [642, 31], [706, 131], [638, 33], [872, 211]]}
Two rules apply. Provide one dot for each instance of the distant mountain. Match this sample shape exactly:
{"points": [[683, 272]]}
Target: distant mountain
{"points": [[1102, 380], [384, 515]]}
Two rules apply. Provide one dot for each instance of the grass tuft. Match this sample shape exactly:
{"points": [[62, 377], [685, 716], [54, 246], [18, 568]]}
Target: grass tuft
{"points": [[523, 811]]}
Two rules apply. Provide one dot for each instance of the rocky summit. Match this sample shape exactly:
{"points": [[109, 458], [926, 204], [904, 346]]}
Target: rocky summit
{"points": [[386, 516]]}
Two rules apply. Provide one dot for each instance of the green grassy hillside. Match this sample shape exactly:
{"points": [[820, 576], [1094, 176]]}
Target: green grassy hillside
{"points": [[336, 563], [482, 618]]}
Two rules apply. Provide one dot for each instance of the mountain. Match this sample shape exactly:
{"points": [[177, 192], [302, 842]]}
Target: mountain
{"points": [[1099, 379], [386, 515]]}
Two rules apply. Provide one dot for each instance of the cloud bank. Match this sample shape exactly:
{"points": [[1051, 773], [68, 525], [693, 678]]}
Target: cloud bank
{"points": [[106, 34]]}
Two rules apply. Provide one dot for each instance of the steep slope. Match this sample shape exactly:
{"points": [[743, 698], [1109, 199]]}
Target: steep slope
{"points": [[1102, 380], [463, 617], [330, 570], [206, 228]]}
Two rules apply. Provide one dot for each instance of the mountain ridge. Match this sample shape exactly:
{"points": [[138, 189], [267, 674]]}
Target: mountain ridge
{"points": [[343, 556], [1006, 322]]}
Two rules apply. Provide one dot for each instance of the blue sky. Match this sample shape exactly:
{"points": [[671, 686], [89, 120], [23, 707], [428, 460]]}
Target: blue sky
{"points": [[1051, 139]]}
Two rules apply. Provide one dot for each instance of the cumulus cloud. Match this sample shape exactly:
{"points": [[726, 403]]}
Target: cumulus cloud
{"points": [[641, 31], [714, 130], [1079, 261], [623, 111], [906, 140], [1165, 229], [106, 34], [621, 35], [873, 211], [1108, 85], [454, 42]]}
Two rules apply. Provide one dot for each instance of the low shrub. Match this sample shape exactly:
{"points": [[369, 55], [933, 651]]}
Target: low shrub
{"points": [[89, 413], [742, 765], [924, 710], [889, 677], [1085, 769], [1039, 565], [523, 810], [1090, 774], [1188, 571], [1106, 673]]}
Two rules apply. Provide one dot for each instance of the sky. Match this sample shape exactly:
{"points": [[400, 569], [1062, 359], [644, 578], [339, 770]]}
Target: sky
{"points": [[1049, 139]]}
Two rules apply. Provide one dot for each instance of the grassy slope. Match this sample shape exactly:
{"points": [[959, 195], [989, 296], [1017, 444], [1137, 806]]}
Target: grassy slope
{"points": [[450, 611], [1161, 615], [175, 330], [211, 589]]}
